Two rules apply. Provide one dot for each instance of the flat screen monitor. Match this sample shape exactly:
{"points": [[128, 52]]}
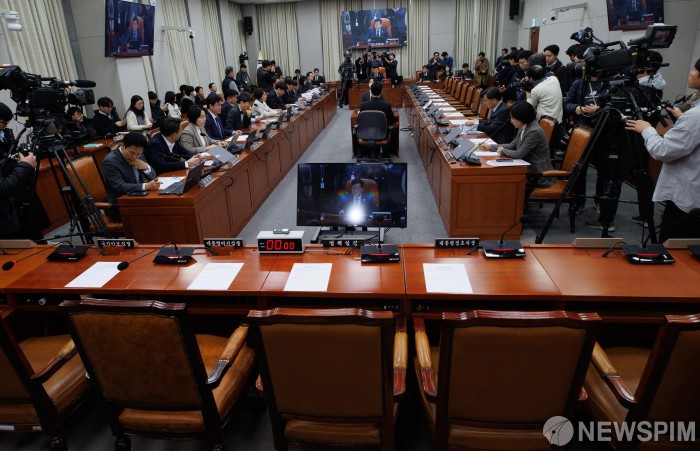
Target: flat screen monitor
{"points": [[128, 29], [374, 28], [351, 194], [634, 14]]}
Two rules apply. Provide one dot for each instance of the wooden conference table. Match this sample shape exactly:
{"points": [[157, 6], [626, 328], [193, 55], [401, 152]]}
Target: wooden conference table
{"points": [[221, 209], [550, 277], [474, 201], [393, 95]]}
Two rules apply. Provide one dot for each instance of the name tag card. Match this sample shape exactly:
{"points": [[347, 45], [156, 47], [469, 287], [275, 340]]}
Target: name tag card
{"points": [[224, 245], [456, 243], [341, 243], [123, 242]]}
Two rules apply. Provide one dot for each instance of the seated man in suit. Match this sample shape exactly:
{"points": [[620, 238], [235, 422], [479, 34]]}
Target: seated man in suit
{"points": [[465, 73], [318, 78], [106, 120], [375, 76], [163, 151], [358, 205], [275, 99], [377, 103], [79, 133], [239, 116], [498, 126], [293, 93], [367, 95], [230, 99], [307, 85], [378, 34], [214, 126], [425, 74], [125, 170]]}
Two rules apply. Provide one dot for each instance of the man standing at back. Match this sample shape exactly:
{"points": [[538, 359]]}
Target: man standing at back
{"points": [[545, 96], [264, 76], [229, 83]]}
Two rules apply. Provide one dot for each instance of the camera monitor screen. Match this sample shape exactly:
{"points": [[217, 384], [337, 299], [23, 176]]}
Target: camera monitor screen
{"points": [[351, 194], [634, 14], [128, 29], [374, 28]]}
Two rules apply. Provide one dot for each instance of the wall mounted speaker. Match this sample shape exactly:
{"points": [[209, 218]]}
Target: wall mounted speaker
{"points": [[248, 25]]}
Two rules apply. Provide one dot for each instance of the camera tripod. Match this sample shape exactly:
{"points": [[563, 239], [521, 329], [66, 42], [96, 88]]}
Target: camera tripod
{"points": [[609, 197]]}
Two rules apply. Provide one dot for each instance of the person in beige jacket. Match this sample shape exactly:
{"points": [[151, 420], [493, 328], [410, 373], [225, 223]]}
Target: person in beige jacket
{"points": [[481, 70], [194, 138]]}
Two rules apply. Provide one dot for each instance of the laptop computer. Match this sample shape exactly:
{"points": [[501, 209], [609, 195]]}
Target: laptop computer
{"points": [[454, 133], [221, 155], [263, 135], [235, 148], [191, 180], [280, 119]]}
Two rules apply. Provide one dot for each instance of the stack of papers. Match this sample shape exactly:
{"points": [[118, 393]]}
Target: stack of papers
{"points": [[509, 162], [446, 278], [309, 277], [487, 141], [95, 276], [216, 276], [241, 138]]}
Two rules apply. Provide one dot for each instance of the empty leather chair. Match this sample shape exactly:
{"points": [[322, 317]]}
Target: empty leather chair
{"points": [[331, 378], [372, 131], [158, 378]]}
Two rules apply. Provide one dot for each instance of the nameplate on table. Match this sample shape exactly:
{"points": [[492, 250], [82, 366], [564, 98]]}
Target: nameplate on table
{"points": [[309, 277], [216, 276], [456, 243], [329, 242], [120, 242], [95, 276], [224, 242], [446, 278]]}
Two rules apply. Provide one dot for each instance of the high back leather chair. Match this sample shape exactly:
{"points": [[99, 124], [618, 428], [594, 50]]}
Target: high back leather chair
{"points": [[382, 70], [331, 378], [626, 384], [159, 379], [370, 188], [386, 24], [372, 131], [86, 168], [497, 377], [42, 381], [574, 151], [548, 124]]}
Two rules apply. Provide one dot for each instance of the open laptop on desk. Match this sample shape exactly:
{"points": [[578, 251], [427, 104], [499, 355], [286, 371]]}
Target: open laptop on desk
{"points": [[221, 155], [263, 135], [191, 180], [235, 147]]}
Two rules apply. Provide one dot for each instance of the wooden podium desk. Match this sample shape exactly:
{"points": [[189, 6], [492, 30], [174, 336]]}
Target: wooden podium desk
{"points": [[474, 201], [222, 209], [393, 146], [351, 284], [21, 268], [394, 95]]}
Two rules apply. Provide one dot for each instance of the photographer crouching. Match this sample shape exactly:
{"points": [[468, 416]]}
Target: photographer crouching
{"points": [[15, 177], [679, 181]]}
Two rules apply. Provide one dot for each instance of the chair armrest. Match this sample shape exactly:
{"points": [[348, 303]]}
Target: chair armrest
{"points": [[64, 355], [612, 379], [424, 360], [234, 345], [400, 357], [103, 205], [554, 173]]}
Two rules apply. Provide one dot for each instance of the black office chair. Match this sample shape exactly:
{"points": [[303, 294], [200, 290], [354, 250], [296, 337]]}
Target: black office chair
{"points": [[372, 133]]}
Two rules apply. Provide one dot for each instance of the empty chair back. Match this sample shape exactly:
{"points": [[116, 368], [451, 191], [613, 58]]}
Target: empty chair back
{"points": [[476, 98], [86, 168], [577, 144], [466, 94], [371, 125], [547, 123]]}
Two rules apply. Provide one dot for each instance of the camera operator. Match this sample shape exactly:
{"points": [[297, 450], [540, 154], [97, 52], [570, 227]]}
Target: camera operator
{"points": [[13, 179], [390, 65], [346, 71], [545, 95], [679, 149]]}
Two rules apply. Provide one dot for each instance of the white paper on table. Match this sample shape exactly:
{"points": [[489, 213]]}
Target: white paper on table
{"points": [[454, 114], [487, 141], [511, 162], [241, 138], [446, 278], [95, 276], [309, 277], [486, 153], [458, 121], [167, 181], [441, 104], [208, 163], [448, 108], [216, 276]]}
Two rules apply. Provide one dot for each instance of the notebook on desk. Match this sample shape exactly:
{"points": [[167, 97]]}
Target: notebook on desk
{"points": [[192, 179]]}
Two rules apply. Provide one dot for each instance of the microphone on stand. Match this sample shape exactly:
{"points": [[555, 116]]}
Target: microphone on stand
{"points": [[125, 264], [11, 264], [505, 249]]}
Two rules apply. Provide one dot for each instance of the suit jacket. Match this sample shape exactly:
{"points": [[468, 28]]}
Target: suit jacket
{"points": [[530, 145], [378, 78], [274, 101], [105, 124], [380, 105], [292, 96], [190, 139], [263, 77], [215, 127], [318, 80], [243, 80], [11, 185], [185, 105], [161, 159], [120, 176], [237, 119], [366, 96], [372, 35], [225, 109], [229, 83], [498, 127]]}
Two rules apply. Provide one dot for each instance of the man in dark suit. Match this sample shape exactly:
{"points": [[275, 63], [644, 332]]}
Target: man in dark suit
{"points": [[366, 96], [358, 205], [187, 100], [214, 126], [125, 170], [106, 120], [318, 78], [228, 82], [275, 99], [164, 153], [378, 104], [375, 76], [79, 133], [378, 34], [264, 76], [293, 93], [230, 99], [237, 118], [498, 126]]}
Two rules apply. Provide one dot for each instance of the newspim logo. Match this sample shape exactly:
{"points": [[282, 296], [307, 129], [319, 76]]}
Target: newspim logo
{"points": [[558, 430]]}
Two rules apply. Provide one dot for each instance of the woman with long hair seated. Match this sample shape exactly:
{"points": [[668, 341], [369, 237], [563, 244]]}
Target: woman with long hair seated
{"points": [[170, 101], [530, 144], [260, 108], [194, 138], [136, 119]]}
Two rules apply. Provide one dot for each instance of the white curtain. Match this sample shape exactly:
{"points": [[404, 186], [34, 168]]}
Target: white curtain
{"points": [[182, 62], [415, 54], [477, 31], [237, 34], [277, 24], [331, 35], [43, 46], [212, 35]]}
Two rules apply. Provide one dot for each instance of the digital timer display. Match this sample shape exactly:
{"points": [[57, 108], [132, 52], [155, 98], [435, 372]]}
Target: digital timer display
{"points": [[275, 244]]}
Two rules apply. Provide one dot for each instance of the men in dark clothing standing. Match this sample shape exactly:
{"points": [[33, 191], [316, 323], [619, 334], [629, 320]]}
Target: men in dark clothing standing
{"points": [[264, 76], [229, 83]]}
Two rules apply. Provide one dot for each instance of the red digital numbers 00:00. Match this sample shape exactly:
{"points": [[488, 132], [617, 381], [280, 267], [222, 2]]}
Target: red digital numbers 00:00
{"points": [[279, 245]]}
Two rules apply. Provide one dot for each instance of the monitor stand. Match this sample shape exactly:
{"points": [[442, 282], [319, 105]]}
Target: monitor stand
{"points": [[347, 233]]}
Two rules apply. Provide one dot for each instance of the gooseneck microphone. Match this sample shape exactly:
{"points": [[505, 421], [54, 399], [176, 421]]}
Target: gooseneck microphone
{"points": [[520, 221], [125, 264], [11, 264], [505, 249]]}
